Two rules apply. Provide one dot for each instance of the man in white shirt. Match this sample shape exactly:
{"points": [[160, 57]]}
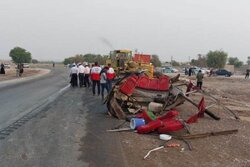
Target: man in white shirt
{"points": [[86, 75], [73, 74], [81, 74]]}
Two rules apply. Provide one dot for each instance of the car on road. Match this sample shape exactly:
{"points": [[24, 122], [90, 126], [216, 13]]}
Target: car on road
{"points": [[223, 72], [169, 70]]}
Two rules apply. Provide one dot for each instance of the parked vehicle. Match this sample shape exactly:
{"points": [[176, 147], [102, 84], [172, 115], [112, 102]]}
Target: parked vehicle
{"points": [[223, 72], [26, 65], [169, 70], [6, 65], [197, 69]]}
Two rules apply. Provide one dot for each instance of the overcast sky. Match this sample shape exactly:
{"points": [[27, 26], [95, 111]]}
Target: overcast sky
{"points": [[56, 29]]}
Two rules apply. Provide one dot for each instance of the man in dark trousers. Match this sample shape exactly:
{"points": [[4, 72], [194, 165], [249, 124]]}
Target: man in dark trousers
{"points": [[190, 71], [110, 76], [73, 74], [95, 77], [81, 74], [2, 69], [199, 78], [247, 73], [86, 75]]}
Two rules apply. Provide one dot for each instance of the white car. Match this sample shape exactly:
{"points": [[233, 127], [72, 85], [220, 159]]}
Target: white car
{"points": [[6, 65], [26, 65]]}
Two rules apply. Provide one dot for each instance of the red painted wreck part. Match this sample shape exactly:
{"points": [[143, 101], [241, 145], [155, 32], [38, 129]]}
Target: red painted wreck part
{"points": [[159, 84], [143, 82], [189, 87], [142, 58], [129, 85], [164, 83], [145, 116], [200, 114], [201, 108], [192, 119], [170, 115], [150, 127], [153, 84], [170, 126]]}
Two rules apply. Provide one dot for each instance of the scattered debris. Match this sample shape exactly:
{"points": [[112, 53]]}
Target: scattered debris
{"points": [[149, 104], [155, 149]]}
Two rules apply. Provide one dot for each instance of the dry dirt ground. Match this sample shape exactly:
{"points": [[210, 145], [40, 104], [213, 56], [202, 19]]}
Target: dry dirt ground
{"points": [[225, 150], [11, 73]]}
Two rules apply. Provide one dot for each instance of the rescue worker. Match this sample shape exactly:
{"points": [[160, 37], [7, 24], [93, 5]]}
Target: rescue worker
{"points": [[86, 75], [73, 75], [95, 77], [81, 69], [110, 76], [103, 82], [199, 78]]}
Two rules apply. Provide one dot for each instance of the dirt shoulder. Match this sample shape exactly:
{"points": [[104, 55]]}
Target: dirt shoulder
{"points": [[225, 150], [10, 74]]}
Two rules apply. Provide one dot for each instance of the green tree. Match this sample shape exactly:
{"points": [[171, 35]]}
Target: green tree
{"points": [[156, 61], [20, 55], [216, 59], [235, 61], [69, 60], [91, 58], [34, 61], [200, 62], [175, 63]]}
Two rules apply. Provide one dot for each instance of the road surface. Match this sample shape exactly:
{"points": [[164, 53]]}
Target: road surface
{"points": [[70, 132], [19, 99]]}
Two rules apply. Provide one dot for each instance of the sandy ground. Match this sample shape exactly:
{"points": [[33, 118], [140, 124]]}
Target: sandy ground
{"points": [[11, 73], [225, 150]]}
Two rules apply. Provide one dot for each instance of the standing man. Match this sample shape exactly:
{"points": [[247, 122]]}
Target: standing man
{"points": [[2, 69], [73, 74], [86, 75], [247, 73], [110, 76], [21, 70], [190, 71], [199, 78], [103, 82], [95, 77], [81, 74]]}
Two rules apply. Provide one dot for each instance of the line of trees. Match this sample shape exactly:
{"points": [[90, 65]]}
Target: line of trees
{"points": [[216, 59], [91, 58]]}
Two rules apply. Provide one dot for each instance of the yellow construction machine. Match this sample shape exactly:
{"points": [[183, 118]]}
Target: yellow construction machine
{"points": [[123, 61]]}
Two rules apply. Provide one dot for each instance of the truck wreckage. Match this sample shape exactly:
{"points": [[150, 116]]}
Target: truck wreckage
{"points": [[154, 100]]}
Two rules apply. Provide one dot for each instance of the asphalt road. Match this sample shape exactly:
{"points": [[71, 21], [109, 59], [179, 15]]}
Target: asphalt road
{"points": [[16, 100], [70, 132]]}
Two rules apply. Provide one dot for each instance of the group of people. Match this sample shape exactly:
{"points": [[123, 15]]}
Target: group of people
{"points": [[99, 77]]}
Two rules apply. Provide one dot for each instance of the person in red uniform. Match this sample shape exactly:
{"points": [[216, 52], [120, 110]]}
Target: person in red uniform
{"points": [[110, 76], [95, 77]]}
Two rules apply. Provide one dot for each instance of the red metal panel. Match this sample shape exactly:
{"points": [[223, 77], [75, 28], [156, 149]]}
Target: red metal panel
{"points": [[143, 58]]}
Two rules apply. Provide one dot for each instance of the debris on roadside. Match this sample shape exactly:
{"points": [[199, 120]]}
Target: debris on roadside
{"points": [[149, 105]]}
